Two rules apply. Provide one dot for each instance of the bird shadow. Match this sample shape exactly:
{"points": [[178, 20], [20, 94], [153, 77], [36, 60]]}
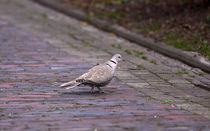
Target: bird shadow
{"points": [[87, 93]]}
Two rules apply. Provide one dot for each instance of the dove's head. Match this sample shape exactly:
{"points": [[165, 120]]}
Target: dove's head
{"points": [[117, 58], [114, 61]]}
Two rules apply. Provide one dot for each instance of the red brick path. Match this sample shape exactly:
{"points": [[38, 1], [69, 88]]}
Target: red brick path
{"points": [[30, 98]]}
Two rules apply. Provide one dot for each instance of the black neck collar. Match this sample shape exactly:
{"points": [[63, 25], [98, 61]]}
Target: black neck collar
{"points": [[113, 61]]}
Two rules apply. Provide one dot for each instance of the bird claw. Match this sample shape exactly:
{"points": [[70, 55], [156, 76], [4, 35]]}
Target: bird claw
{"points": [[101, 92], [92, 90], [99, 89]]}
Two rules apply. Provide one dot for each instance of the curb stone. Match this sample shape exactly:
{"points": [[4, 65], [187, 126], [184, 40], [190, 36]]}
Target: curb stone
{"points": [[137, 38]]}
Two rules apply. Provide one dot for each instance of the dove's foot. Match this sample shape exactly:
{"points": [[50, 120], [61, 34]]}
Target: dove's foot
{"points": [[92, 90], [100, 90]]}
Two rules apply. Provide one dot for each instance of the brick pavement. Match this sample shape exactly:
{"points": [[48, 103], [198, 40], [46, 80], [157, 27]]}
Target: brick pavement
{"points": [[40, 48]]}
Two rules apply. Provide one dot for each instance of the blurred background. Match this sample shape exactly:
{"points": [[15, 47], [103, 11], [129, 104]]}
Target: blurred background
{"points": [[184, 24]]}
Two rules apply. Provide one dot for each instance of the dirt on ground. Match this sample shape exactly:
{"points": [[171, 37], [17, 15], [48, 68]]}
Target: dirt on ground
{"points": [[185, 24]]}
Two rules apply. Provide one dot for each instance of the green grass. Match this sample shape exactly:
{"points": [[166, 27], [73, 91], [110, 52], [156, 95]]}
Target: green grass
{"points": [[128, 52], [115, 16], [119, 2], [144, 58], [182, 72], [179, 73], [91, 99], [191, 76], [113, 45], [119, 47], [181, 44], [57, 108], [44, 15], [99, 5], [201, 74], [171, 39], [153, 62], [71, 45], [208, 18], [171, 36], [167, 102], [138, 53], [150, 2], [54, 80], [203, 47], [140, 66], [116, 46], [86, 44], [131, 86], [149, 97], [155, 27], [143, 30], [189, 80], [111, 2], [29, 89]]}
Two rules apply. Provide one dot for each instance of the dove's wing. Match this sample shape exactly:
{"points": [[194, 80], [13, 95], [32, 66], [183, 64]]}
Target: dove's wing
{"points": [[99, 74]]}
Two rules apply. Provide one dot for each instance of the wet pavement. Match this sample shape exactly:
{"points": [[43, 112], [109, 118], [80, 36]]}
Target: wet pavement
{"points": [[32, 68]]}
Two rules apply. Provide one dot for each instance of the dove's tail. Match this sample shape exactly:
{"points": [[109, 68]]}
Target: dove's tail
{"points": [[70, 84]]}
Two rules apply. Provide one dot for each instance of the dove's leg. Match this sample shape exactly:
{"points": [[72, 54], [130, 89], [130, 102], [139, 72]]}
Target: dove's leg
{"points": [[92, 89], [100, 90]]}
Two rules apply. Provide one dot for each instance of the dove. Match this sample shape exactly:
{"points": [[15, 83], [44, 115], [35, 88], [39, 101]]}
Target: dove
{"points": [[98, 76]]}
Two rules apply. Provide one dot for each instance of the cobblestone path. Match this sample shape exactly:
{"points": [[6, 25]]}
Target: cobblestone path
{"points": [[30, 99]]}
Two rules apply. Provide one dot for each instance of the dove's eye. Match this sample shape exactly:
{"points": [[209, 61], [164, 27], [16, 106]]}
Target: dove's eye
{"points": [[119, 57]]}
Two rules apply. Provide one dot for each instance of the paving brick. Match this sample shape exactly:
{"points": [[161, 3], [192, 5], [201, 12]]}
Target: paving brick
{"points": [[35, 65], [165, 107], [125, 75], [8, 66], [182, 116], [26, 96], [25, 83], [139, 85], [5, 85], [180, 81]]}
